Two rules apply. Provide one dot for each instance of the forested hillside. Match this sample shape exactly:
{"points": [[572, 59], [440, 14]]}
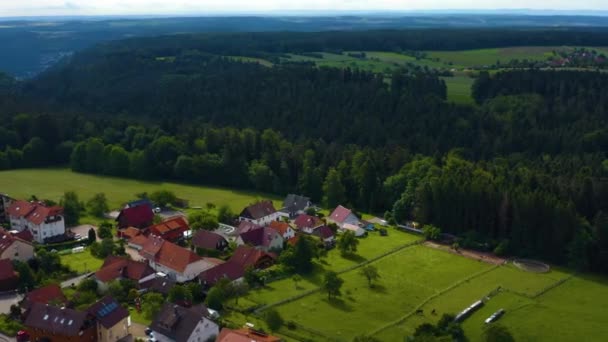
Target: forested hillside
{"points": [[522, 172]]}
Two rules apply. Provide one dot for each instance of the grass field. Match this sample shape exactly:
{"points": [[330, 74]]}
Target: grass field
{"points": [[52, 183], [81, 262], [459, 89], [482, 57]]}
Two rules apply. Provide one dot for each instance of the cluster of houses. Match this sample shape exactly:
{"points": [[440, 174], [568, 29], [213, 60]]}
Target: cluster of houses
{"points": [[158, 262]]}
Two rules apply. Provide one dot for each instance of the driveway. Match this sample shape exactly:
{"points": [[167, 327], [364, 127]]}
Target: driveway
{"points": [[4, 338], [138, 331], [75, 280], [83, 230], [133, 253], [6, 300]]}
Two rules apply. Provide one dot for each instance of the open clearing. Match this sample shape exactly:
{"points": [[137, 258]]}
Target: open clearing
{"points": [[81, 262], [52, 183]]}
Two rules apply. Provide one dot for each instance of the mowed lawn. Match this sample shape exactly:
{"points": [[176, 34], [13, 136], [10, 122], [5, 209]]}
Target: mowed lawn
{"points": [[81, 262], [408, 277], [483, 57], [459, 89], [52, 183], [518, 288], [370, 247]]}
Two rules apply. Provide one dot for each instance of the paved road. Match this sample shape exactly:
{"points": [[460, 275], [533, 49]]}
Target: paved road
{"points": [[6, 300], [74, 280], [4, 338]]}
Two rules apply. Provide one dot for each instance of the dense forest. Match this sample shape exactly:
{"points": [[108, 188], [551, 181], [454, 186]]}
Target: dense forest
{"points": [[521, 172]]}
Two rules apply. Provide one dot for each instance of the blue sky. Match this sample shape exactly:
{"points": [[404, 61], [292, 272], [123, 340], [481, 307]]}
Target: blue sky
{"points": [[133, 7]]}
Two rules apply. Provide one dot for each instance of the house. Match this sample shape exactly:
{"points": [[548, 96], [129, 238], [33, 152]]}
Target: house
{"points": [[9, 279], [176, 323], [172, 229], [137, 242], [113, 321], [139, 202], [209, 240], [325, 234], [14, 248], [116, 268], [358, 231], [47, 295], [245, 335], [341, 216], [178, 263], [5, 202], [294, 205], [307, 224], [129, 233], [160, 284], [42, 221], [265, 238], [24, 235], [261, 213], [51, 323], [140, 216], [283, 228], [244, 257], [245, 226]]}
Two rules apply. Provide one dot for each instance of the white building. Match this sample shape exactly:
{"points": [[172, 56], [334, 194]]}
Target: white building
{"points": [[261, 213], [42, 221], [175, 323], [341, 216]]}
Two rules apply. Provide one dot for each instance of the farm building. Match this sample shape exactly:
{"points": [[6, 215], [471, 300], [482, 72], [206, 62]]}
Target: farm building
{"points": [[341, 216]]}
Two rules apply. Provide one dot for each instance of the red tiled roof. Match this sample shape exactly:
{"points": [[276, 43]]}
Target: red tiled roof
{"points": [[139, 240], [340, 214], [324, 231], [6, 270], [246, 226], [280, 227], [259, 210], [245, 335], [25, 235], [307, 221], [117, 267], [7, 240], [259, 237], [293, 240], [35, 213], [206, 239], [228, 270], [246, 256], [46, 294], [138, 216], [174, 224], [168, 254], [129, 233]]}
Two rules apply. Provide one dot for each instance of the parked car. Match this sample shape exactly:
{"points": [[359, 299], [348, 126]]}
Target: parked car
{"points": [[157, 210], [495, 316], [23, 336], [148, 331]]}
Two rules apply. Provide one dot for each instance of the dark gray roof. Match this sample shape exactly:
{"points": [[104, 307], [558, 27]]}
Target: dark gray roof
{"points": [[294, 203], [176, 322], [108, 312], [66, 322]]}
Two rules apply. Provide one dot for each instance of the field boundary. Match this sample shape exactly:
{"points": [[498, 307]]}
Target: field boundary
{"points": [[426, 301], [348, 269]]}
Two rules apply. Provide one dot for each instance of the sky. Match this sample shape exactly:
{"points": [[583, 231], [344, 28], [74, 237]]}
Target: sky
{"points": [[201, 7]]}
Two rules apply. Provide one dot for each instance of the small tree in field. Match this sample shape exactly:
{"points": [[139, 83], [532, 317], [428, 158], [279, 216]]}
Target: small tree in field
{"points": [[431, 232], [98, 205], [332, 283], [347, 243], [273, 320], [370, 272]]}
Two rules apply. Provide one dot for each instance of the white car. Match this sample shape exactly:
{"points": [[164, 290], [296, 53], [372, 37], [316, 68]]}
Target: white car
{"points": [[157, 210]]}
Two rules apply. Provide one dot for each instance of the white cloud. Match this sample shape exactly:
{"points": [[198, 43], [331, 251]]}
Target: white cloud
{"points": [[98, 7]]}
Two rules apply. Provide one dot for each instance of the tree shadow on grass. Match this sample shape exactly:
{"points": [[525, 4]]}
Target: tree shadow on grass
{"points": [[354, 257], [339, 304], [378, 288]]}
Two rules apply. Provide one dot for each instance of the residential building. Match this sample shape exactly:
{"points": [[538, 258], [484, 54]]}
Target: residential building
{"points": [[140, 216], [245, 226], [342, 216], [208, 240], [175, 323], [172, 229], [116, 268], [45, 223], [14, 248], [113, 321], [283, 228], [244, 257], [160, 284], [178, 263], [307, 224], [245, 335], [129, 233], [266, 239], [9, 279], [325, 234], [58, 324], [46, 295], [261, 213], [294, 205], [358, 231]]}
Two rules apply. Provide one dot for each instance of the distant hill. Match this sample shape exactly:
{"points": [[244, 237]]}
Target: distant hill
{"points": [[32, 45]]}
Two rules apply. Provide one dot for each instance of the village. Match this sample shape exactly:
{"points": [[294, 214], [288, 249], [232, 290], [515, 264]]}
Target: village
{"points": [[160, 265]]}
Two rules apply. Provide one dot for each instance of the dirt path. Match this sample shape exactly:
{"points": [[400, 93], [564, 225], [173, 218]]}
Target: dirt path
{"points": [[480, 256]]}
